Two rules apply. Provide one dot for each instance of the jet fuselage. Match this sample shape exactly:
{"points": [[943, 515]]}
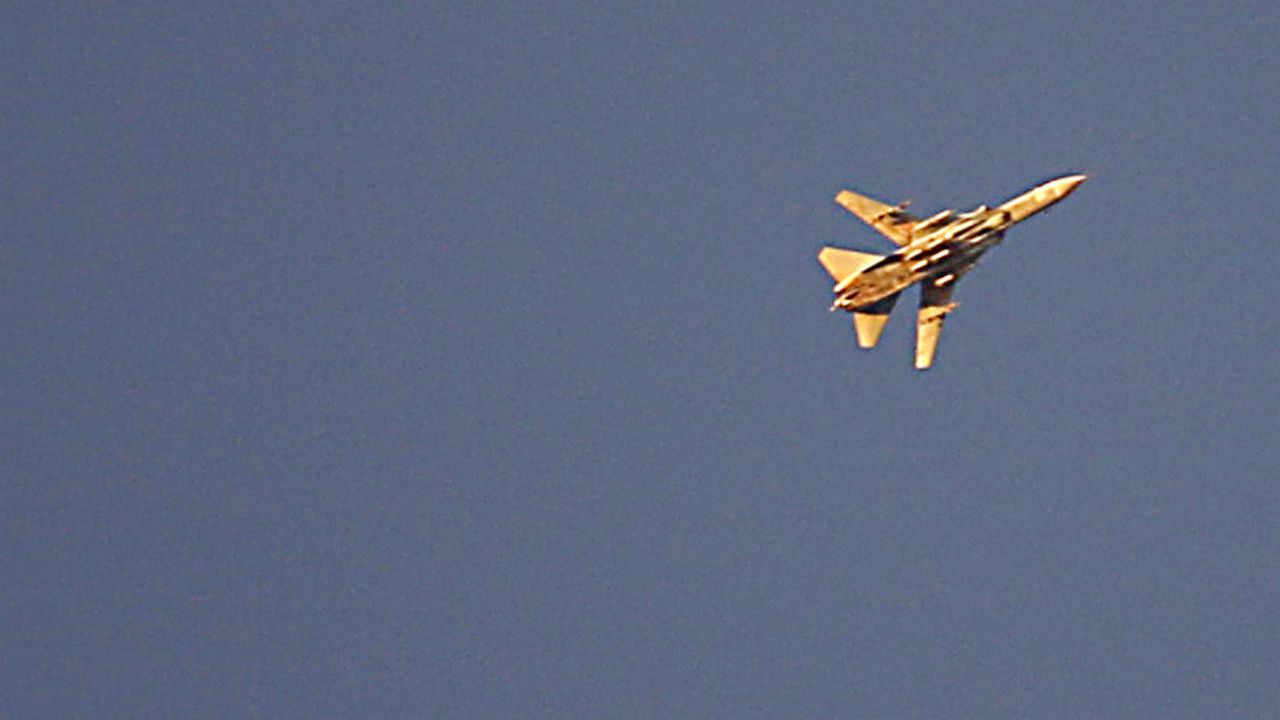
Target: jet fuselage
{"points": [[945, 246]]}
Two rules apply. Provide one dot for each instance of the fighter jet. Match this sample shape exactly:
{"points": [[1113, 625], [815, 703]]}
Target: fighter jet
{"points": [[935, 252]]}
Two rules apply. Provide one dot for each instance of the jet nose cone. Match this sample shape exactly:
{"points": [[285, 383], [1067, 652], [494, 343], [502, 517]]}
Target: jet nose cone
{"points": [[1068, 184]]}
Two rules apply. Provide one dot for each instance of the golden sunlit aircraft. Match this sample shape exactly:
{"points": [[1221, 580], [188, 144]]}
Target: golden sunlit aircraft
{"points": [[934, 252]]}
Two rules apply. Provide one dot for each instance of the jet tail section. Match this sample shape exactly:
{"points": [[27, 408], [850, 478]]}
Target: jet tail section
{"points": [[870, 321], [840, 263]]}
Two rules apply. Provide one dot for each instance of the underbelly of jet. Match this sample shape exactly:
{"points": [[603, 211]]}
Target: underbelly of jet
{"points": [[882, 282], [875, 285]]}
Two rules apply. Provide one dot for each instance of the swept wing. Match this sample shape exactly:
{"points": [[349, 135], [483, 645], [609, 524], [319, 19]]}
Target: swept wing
{"points": [[893, 221], [935, 305]]}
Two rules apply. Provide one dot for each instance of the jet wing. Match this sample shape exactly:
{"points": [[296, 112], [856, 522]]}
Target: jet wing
{"points": [[935, 304], [892, 221]]}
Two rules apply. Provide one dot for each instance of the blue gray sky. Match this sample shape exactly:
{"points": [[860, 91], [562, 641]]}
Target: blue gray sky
{"points": [[461, 361]]}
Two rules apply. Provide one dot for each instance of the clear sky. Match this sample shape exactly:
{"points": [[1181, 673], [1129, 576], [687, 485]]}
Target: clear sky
{"points": [[423, 362]]}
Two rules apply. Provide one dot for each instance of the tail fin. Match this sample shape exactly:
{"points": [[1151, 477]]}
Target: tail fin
{"points": [[841, 263]]}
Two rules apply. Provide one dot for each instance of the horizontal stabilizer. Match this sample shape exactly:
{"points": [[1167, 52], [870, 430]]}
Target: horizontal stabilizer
{"points": [[869, 328], [841, 263], [870, 321]]}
